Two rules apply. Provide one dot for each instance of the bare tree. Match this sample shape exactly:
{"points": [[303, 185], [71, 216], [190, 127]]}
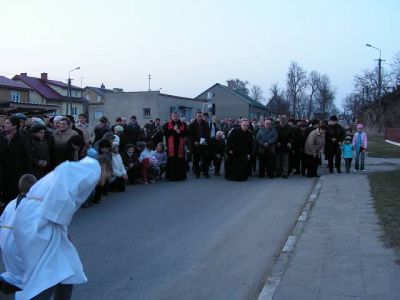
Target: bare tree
{"points": [[313, 83], [257, 94], [325, 95], [296, 84], [238, 85], [396, 68], [277, 104]]}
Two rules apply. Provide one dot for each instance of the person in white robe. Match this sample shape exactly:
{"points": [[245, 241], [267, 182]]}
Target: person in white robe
{"points": [[41, 227], [11, 280]]}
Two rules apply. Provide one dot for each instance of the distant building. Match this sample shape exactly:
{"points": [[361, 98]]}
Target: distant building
{"points": [[46, 91], [145, 106], [15, 97], [231, 103]]}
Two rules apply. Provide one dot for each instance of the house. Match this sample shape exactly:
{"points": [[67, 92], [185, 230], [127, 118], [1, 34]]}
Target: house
{"points": [[231, 103], [95, 95], [145, 105], [15, 97], [46, 91]]}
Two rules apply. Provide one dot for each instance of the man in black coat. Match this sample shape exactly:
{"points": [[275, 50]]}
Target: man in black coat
{"points": [[217, 149], [15, 158], [240, 149], [333, 140], [283, 146], [199, 134]]}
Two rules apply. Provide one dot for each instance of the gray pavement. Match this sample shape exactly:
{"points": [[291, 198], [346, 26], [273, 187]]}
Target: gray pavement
{"points": [[200, 239], [340, 255]]}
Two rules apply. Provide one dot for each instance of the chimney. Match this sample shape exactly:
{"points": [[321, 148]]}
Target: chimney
{"points": [[43, 76], [24, 74]]}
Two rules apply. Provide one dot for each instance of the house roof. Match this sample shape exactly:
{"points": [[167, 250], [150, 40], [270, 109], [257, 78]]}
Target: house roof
{"points": [[43, 89], [8, 83], [99, 91], [180, 97], [61, 84], [243, 97]]}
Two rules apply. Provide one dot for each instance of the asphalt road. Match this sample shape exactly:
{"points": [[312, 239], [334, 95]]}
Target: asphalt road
{"points": [[199, 239]]}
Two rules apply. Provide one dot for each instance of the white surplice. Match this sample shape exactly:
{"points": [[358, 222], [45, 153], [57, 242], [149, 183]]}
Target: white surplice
{"points": [[41, 226], [12, 260]]}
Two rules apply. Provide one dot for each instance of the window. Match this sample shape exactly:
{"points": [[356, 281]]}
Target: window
{"points": [[98, 98], [98, 115], [87, 97], [146, 112], [74, 110], [15, 96]]}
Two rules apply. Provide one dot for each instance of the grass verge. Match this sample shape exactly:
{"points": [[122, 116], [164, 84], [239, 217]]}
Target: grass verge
{"points": [[385, 190], [377, 147]]}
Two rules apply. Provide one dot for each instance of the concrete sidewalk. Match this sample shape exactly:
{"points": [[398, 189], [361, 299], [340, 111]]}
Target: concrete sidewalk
{"points": [[339, 255]]}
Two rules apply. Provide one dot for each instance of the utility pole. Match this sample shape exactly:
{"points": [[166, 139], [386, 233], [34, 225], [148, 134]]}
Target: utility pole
{"points": [[380, 104], [149, 82]]}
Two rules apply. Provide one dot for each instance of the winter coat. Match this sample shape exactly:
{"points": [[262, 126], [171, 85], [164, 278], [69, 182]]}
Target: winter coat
{"points": [[315, 143], [333, 132], [364, 140], [347, 150], [87, 131], [198, 131], [15, 160], [39, 151], [285, 136], [266, 135]]}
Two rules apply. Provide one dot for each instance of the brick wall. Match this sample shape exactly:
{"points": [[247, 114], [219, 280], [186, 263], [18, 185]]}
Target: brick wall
{"points": [[392, 134]]}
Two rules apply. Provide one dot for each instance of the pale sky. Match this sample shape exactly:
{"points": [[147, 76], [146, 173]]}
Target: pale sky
{"points": [[188, 45]]}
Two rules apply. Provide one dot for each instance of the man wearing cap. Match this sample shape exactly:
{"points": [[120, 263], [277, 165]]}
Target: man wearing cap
{"points": [[334, 137]]}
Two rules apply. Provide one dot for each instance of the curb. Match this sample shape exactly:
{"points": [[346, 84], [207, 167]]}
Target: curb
{"points": [[282, 261]]}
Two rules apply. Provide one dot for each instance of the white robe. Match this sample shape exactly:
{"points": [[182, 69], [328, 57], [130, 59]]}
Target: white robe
{"points": [[12, 260], [41, 226]]}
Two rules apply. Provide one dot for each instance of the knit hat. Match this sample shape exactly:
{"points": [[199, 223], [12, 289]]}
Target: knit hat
{"points": [[360, 126], [333, 118], [36, 127], [36, 120], [21, 116], [119, 128]]}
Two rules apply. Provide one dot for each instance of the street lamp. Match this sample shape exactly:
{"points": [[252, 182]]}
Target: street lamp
{"points": [[379, 83], [69, 102]]}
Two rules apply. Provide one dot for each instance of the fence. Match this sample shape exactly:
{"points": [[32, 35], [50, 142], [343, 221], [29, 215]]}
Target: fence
{"points": [[392, 134]]}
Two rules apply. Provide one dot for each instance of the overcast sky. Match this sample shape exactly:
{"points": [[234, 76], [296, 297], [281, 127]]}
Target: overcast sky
{"points": [[188, 45]]}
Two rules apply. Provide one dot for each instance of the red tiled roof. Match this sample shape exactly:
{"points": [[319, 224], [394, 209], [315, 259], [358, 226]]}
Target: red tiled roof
{"points": [[6, 82], [43, 89]]}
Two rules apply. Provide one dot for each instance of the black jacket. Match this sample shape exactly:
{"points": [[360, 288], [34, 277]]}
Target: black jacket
{"points": [[198, 131]]}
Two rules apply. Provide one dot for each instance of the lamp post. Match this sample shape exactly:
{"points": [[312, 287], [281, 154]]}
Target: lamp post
{"points": [[69, 102]]}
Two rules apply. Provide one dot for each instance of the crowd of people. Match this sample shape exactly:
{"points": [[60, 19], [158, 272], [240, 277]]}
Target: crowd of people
{"points": [[144, 154], [50, 169]]}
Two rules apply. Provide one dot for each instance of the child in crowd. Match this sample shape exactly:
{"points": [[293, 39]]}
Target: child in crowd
{"points": [[119, 175], [148, 163], [130, 158], [347, 149], [11, 280], [161, 156], [360, 144]]}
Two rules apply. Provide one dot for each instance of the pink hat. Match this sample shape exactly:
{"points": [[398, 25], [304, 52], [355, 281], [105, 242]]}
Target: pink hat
{"points": [[360, 126]]}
